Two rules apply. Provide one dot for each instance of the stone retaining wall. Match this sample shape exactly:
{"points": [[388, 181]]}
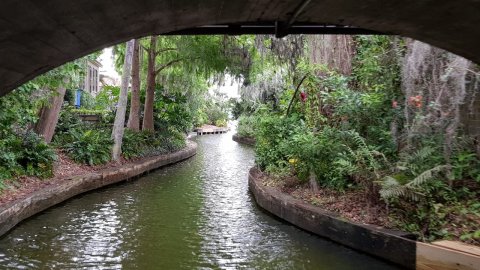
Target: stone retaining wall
{"points": [[377, 241], [14, 212], [394, 246], [244, 140]]}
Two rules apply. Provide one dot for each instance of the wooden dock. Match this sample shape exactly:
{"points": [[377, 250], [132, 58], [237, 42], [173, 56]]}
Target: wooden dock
{"points": [[208, 129]]}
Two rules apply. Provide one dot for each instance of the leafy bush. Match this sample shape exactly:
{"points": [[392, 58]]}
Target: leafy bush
{"points": [[22, 152], [422, 192], [221, 123], [171, 139], [273, 132], [37, 157], [26, 155], [136, 143], [246, 126], [87, 101], [215, 113], [68, 120], [107, 98], [165, 141], [173, 111], [87, 146]]}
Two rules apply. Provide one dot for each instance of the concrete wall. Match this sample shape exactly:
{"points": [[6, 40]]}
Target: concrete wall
{"points": [[37, 36]]}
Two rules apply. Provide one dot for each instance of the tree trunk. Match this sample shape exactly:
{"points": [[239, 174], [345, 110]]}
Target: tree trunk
{"points": [[313, 182], [334, 51], [119, 124], [45, 126], [134, 117], [151, 74]]}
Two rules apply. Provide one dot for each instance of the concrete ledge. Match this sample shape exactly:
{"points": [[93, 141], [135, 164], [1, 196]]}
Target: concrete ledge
{"points": [[391, 245], [447, 255], [377, 241], [244, 140], [14, 212]]}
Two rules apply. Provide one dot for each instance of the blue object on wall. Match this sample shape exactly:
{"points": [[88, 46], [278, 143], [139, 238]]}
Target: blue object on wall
{"points": [[78, 98]]}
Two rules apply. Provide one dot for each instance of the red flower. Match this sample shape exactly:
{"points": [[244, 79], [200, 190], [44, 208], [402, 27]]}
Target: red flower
{"points": [[394, 104], [303, 96], [415, 101]]}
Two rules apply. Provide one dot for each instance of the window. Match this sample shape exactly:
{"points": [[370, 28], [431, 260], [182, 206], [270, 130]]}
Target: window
{"points": [[92, 79]]}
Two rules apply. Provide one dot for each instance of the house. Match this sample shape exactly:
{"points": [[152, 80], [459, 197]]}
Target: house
{"points": [[91, 83], [92, 77]]}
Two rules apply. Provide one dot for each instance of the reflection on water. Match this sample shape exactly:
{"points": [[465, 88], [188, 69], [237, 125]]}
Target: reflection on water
{"points": [[197, 214]]}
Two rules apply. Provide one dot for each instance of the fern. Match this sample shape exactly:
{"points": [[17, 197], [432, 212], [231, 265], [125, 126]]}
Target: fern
{"points": [[391, 187], [414, 162]]}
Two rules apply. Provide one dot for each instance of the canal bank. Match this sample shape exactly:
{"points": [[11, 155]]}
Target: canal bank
{"points": [[244, 140], [26, 206], [391, 245]]}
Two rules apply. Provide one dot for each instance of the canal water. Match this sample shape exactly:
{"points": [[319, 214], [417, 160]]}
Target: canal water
{"points": [[197, 214]]}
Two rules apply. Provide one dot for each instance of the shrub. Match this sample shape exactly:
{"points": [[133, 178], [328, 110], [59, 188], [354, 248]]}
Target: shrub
{"points": [[87, 146], [272, 131], [68, 120], [36, 156], [422, 193], [27, 154], [165, 141], [221, 123], [246, 126], [136, 143]]}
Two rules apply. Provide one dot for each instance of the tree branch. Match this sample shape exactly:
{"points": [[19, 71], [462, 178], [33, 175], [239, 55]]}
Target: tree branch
{"points": [[164, 50], [164, 66], [295, 94]]}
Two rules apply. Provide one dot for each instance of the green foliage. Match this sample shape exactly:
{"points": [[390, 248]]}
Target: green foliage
{"points": [[241, 107], [338, 158], [107, 98], [466, 165], [68, 120], [26, 154], [392, 188], [22, 152], [36, 156], [165, 141], [247, 126], [172, 111], [87, 101], [85, 111], [88, 146], [215, 112], [221, 123], [135, 144], [422, 192], [376, 67], [272, 131]]}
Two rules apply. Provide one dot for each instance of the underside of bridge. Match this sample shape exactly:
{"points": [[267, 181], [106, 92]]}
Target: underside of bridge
{"points": [[36, 36]]}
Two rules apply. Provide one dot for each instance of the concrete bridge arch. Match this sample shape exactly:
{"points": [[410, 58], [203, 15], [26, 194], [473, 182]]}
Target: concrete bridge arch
{"points": [[36, 36]]}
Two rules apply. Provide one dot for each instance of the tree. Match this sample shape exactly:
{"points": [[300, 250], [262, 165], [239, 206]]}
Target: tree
{"points": [[119, 124], [150, 97], [49, 115], [152, 73], [134, 117], [57, 80]]}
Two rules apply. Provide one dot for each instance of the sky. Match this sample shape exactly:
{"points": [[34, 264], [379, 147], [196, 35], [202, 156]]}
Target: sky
{"points": [[108, 67]]}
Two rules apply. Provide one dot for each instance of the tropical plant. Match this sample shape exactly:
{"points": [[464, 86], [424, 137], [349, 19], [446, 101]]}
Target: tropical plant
{"points": [[247, 126], [92, 147]]}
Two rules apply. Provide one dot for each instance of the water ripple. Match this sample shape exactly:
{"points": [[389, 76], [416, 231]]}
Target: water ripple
{"points": [[194, 215]]}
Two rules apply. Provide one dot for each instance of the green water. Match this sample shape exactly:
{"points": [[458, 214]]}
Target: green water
{"points": [[197, 214]]}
